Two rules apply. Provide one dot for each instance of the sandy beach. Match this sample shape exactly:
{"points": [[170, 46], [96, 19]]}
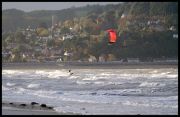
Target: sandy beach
{"points": [[33, 108]]}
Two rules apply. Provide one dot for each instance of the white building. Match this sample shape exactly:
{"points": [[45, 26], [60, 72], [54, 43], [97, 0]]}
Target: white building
{"points": [[175, 36], [92, 59], [101, 59], [67, 37]]}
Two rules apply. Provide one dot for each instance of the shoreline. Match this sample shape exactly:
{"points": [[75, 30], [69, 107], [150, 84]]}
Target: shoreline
{"points": [[33, 108]]}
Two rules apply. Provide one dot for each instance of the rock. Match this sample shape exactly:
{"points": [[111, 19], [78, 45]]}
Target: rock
{"points": [[22, 104], [94, 93], [50, 107], [33, 103], [43, 105], [83, 108]]}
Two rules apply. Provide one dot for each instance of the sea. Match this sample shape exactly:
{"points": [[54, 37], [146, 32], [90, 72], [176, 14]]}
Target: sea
{"points": [[145, 91]]}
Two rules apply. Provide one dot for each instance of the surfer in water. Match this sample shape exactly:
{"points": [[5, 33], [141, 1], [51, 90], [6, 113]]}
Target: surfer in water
{"points": [[70, 73]]}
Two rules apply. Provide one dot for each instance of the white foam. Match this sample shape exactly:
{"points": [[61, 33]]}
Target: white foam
{"points": [[20, 90], [10, 84], [172, 76], [82, 82], [33, 86], [73, 77], [164, 75], [52, 73], [151, 84], [12, 72], [95, 95], [40, 72], [107, 74], [45, 93], [5, 88], [98, 82], [133, 75], [57, 73], [154, 71], [91, 78], [9, 71]]}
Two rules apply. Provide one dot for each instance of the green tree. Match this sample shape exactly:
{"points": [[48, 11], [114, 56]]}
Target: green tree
{"points": [[51, 43], [65, 30], [20, 37]]}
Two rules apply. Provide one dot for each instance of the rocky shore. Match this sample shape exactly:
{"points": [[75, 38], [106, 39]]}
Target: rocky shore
{"points": [[32, 108]]}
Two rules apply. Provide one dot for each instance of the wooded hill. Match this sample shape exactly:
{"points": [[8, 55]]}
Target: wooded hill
{"points": [[145, 29], [13, 18]]}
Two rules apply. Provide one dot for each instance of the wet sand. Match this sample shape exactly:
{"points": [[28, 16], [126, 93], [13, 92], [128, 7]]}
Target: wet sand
{"points": [[16, 111], [88, 65]]}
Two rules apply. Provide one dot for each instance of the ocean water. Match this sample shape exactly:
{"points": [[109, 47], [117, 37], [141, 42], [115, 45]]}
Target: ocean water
{"points": [[96, 91]]}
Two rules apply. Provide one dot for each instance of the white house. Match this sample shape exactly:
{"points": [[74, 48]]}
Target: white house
{"points": [[92, 59], [101, 59], [172, 28], [67, 37], [175, 36]]}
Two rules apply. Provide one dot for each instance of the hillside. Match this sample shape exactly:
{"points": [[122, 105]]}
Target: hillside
{"points": [[144, 29], [23, 19]]}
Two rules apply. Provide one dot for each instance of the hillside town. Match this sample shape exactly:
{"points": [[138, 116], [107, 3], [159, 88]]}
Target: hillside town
{"points": [[55, 42]]}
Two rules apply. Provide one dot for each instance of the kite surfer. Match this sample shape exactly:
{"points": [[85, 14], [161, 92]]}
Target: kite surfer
{"points": [[70, 73]]}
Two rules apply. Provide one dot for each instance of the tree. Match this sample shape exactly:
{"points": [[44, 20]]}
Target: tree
{"points": [[16, 55], [20, 37], [42, 25], [50, 43], [9, 38], [65, 30], [42, 32], [141, 8]]}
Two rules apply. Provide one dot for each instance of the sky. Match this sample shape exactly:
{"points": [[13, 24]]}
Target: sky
{"points": [[31, 6]]}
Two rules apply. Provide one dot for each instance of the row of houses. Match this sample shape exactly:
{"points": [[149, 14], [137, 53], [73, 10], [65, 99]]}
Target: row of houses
{"points": [[53, 34], [151, 23]]}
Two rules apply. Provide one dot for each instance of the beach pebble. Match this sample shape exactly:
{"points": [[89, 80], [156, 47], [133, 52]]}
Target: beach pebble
{"points": [[83, 108]]}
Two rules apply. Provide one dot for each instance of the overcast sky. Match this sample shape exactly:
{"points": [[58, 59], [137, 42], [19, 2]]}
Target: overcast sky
{"points": [[30, 6]]}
